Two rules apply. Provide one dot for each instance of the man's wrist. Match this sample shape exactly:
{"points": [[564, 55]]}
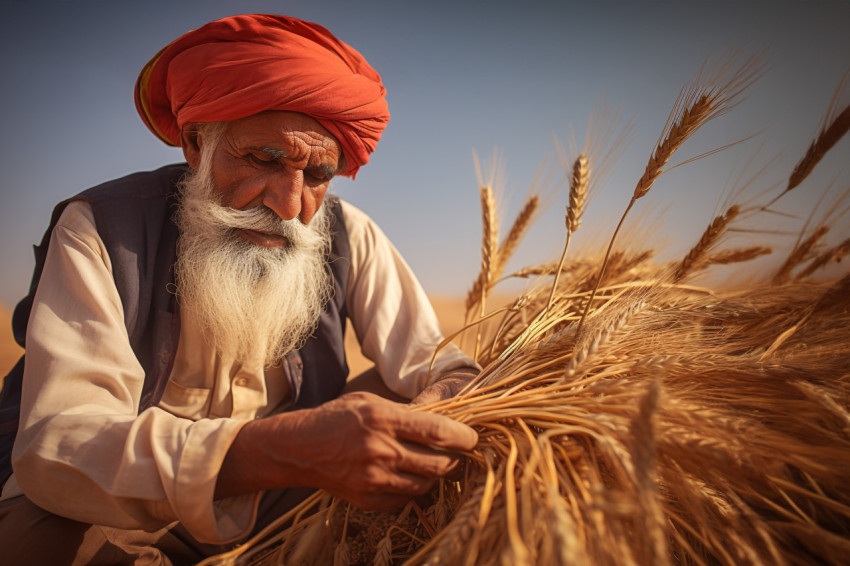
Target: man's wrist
{"points": [[253, 462]]}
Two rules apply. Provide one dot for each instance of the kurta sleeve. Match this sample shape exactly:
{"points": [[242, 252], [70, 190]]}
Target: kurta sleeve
{"points": [[390, 312], [83, 451]]}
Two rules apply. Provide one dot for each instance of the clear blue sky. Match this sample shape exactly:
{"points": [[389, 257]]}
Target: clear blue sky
{"points": [[461, 76]]}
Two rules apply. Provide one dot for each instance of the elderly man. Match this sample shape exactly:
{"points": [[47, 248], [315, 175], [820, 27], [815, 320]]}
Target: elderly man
{"points": [[185, 379]]}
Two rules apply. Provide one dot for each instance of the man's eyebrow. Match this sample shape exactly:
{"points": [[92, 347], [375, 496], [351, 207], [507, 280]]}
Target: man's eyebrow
{"points": [[273, 152], [328, 171]]}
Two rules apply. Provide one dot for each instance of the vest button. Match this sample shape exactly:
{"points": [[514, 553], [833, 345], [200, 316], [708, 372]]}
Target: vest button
{"points": [[242, 381]]}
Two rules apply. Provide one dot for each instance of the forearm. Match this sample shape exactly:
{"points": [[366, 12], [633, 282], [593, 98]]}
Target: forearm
{"points": [[365, 449], [254, 463]]}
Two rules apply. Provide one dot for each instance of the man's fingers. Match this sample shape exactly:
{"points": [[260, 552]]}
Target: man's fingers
{"points": [[435, 430], [446, 388], [422, 460], [386, 451], [409, 483]]}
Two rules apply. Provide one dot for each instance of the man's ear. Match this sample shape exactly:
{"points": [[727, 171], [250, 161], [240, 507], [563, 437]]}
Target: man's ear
{"points": [[191, 144]]}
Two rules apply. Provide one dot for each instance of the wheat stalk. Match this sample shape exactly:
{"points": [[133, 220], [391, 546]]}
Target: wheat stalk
{"points": [[643, 450]]}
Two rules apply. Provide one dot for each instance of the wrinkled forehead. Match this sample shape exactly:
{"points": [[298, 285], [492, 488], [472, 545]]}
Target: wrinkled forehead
{"points": [[273, 125]]}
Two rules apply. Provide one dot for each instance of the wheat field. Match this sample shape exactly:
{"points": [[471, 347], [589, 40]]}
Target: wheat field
{"points": [[630, 411]]}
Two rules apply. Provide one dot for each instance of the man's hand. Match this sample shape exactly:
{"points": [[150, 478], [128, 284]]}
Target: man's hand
{"points": [[372, 452], [446, 387]]}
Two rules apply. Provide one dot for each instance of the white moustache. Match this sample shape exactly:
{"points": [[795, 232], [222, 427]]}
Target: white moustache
{"points": [[261, 219]]}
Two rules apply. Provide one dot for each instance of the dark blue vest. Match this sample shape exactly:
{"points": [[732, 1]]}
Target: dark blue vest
{"points": [[134, 218]]}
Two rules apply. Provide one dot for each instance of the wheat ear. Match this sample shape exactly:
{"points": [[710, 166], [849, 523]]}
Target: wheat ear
{"points": [[799, 254], [832, 255], [534, 270], [489, 234], [505, 251], [835, 125], [489, 241], [342, 553], [824, 141], [579, 182], [692, 118], [696, 255], [517, 231], [592, 346], [384, 551], [443, 548], [737, 255]]}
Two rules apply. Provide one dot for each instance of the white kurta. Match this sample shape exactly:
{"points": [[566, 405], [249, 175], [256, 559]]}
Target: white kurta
{"points": [[84, 452]]}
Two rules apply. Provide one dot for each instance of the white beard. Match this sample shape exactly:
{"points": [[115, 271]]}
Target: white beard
{"points": [[251, 301]]}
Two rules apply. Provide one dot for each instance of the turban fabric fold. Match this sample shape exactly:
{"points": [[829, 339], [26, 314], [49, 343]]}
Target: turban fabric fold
{"points": [[241, 65]]}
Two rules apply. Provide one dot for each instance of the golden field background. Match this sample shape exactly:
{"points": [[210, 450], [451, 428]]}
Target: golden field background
{"points": [[449, 311], [9, 350]]}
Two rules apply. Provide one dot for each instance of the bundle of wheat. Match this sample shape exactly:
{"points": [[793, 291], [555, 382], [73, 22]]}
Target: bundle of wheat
{"points": [[628, 417]]}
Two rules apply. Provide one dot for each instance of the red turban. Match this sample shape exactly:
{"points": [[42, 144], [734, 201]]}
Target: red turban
{"points": [[238, 66]]}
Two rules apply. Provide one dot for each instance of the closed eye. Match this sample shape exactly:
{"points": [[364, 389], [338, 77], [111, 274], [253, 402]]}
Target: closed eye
{"points": [[320, 174], [265, 155], [257, 160], [315, 178]]}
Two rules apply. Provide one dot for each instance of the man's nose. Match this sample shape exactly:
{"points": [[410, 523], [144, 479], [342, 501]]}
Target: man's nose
{"points": [[283, 195]]}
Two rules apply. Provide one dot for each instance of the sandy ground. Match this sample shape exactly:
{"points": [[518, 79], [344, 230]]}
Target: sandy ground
{"points": [[449, 311], [9, 350]]}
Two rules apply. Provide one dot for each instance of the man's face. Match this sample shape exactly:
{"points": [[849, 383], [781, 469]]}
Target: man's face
{"points": [[250, 269], [280, 160]]}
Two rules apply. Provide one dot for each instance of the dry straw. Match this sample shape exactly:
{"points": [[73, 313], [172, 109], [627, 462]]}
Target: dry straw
{"points": [[682, 425]]}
